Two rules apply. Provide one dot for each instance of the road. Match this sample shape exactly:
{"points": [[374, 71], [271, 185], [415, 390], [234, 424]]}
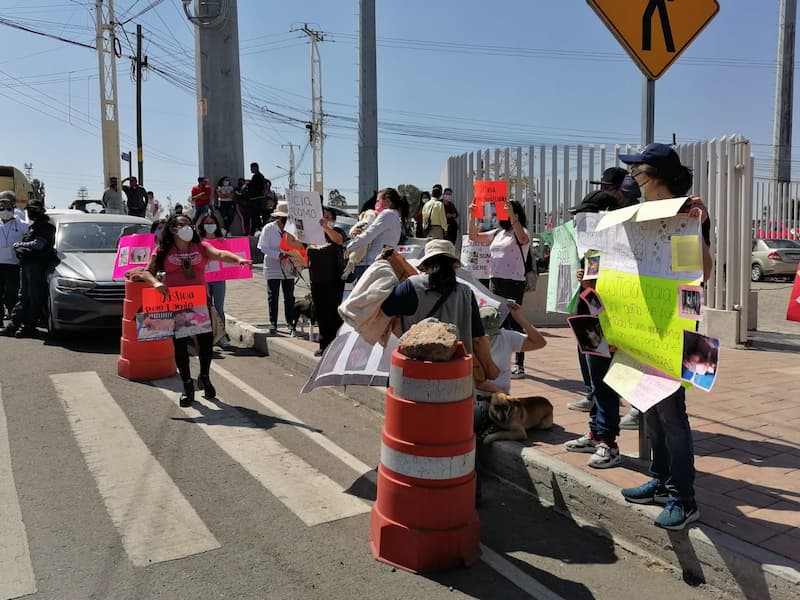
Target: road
{"points": [[109, 490]]}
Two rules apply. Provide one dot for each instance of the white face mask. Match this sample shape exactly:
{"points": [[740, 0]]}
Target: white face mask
{"points": [[6, 214], [210, 227], [186, 233]]}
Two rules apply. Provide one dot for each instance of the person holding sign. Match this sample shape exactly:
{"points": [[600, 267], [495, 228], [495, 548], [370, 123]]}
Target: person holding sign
{"points": [[182, 257], [660, 175], [509, 245]]}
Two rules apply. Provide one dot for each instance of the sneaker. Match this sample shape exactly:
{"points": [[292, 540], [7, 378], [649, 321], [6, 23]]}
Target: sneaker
{"points": [[583, 405], [677, 515], [273, 330], [630, 420], [187, 397], [319, 352], [224, 343], [517, 372], [585, 443], [9, 331], [605, 457], [26, 332], [292, 332], [652, 492]]}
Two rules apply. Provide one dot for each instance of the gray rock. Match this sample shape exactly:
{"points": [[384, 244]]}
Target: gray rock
{"points": [[430, 339]]}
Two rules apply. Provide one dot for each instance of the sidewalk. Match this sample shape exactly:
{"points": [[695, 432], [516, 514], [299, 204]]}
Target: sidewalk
{"points": [[747, 459]]}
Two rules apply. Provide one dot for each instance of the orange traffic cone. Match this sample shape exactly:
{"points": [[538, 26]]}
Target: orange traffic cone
{"points": [[424, 517]]}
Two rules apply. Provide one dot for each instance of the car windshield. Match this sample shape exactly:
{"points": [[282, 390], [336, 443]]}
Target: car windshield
{"points": [[782, 244], [88, 236]]}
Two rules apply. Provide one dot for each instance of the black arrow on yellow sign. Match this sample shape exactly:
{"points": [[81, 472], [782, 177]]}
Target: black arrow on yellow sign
{"points": [[647, 25]]}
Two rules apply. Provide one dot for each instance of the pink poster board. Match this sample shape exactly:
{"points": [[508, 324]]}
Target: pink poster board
{"points": [[133, 252], [219, 271]]}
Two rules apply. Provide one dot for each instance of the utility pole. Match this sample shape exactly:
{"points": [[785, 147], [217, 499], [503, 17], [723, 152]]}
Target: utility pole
{"points": [[219, 87], [106, 44], [291, 164], [367, 103], [782, 127], [28, 170], [140, 64], [316, 135]]}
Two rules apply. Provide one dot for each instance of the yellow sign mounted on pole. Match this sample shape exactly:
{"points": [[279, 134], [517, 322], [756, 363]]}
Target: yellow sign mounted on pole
{"points": [[655, 32]]}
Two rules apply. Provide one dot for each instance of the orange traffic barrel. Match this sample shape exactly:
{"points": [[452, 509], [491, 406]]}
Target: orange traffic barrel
{"points": [[145, 360], [424, 517]]}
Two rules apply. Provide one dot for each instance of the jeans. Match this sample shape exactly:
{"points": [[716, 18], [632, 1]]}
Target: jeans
{"points": [[327, 297], [673, 451], [587, 378], [273, 288], [205, 343], [513, 290], [216, 289], [227, 210], [9, 288], [32, 296], [604, 415]]}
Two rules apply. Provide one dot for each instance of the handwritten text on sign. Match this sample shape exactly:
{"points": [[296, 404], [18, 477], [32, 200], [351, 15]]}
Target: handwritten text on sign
{"points": [[490, 196], [180, 298]]}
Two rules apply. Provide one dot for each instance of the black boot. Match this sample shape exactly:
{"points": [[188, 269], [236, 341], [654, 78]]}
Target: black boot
{"points": [[204, 383], [187, 397]]}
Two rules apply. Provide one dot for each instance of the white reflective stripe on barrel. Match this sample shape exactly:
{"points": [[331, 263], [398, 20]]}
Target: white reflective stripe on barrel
{"points": [[438, 391], [427, 467]]}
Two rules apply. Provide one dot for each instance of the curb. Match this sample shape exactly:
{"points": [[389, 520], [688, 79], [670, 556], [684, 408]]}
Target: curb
{"points": [[700, 554]]}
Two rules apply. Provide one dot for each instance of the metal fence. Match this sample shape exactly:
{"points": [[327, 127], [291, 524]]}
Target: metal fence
{"points": [[549, 180]]}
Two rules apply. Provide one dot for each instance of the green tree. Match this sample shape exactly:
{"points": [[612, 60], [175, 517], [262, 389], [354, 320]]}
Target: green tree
{"points": [[411, 192]]}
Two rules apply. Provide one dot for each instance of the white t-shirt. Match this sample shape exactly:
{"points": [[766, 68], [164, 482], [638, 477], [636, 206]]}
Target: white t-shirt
{"points": [[508, 259], [502, 346]]}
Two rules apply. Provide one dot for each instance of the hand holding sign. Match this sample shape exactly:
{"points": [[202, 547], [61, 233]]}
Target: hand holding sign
{"points": [[490, 200]]}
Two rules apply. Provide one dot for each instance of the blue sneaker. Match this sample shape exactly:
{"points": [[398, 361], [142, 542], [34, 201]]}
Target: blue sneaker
{"points": [[652, 492], [677, 515]]}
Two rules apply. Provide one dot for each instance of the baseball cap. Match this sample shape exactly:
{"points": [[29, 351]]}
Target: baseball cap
{"points": [[660, 156], [613, 176], [595, 201]]}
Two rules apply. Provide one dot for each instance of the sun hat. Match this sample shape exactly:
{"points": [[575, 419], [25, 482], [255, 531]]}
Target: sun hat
{"points": [[491, 320], [281, 210], [437, 248]]}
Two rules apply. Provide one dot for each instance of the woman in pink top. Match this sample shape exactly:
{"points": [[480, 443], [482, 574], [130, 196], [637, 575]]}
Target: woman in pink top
{"points": [[509, 246], [182, 257]]}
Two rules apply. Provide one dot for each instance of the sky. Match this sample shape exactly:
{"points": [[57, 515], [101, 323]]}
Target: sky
{"points": [[454, 76]]}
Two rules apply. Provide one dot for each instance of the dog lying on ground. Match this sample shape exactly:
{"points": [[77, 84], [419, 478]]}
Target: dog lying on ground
{"points": [[516, 415]]}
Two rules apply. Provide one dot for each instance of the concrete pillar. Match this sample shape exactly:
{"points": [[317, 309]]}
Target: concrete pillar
{"points": [[367, 103]]}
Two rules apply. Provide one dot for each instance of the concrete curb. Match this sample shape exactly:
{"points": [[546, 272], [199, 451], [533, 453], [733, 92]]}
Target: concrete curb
{"points": [[699, 554]]}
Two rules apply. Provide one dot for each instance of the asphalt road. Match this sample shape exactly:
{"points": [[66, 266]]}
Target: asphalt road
{"points": [[115, 492]]}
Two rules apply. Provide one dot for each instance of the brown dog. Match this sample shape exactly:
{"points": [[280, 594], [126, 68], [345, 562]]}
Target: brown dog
{"points": [[516, 415]]}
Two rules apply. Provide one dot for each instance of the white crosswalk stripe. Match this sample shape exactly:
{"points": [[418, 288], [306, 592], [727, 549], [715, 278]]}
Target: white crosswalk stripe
{"points": [[16, 571], [314, 497], [154, 519]]}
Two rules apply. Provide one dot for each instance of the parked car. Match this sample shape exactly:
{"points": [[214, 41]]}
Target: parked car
{"points": [[82, 294], [774, 257]]}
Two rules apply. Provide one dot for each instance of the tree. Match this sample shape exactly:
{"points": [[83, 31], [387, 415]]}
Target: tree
{"points": [[411, 192], [335, 198]]}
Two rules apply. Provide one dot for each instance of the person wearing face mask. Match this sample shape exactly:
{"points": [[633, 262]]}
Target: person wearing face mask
{"points": [[225, 202], [182, 257], [12, 230], [451, 213], [385, 230], [36, 253], [210, 229], [424, 197], [113, 200], [157, 229], [434, 217], [278, 269]]}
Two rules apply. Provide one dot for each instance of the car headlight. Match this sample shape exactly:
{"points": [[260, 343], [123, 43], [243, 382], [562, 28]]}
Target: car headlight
{"points": [[65, 284]]}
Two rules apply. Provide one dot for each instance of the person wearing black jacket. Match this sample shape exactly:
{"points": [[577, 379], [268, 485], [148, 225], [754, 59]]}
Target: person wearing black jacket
{"points": [[36, 252], [137, 197]]}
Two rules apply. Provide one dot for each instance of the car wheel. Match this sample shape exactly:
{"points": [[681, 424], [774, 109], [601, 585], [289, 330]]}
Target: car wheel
{"points": [[52, 329], [756, 273]]}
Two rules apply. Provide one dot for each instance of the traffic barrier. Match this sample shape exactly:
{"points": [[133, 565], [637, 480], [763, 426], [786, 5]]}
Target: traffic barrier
{"points": [[424, 517], [141, 361]]}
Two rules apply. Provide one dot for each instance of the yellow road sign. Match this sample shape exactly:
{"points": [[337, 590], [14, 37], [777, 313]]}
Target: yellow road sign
{"points": [[655, 32]]}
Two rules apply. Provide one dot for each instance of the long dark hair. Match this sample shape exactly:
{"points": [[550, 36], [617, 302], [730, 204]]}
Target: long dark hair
{"points": [[201, 222], [168, 240], [519, 211], [441, 271]]}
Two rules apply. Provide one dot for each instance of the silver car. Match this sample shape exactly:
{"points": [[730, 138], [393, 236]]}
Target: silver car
{"points": [[774, 258], [82, 293]]}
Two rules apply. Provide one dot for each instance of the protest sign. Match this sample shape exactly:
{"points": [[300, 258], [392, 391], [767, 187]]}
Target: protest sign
{"points": [[490, 201], [476, 258], [700, 360], [182, 313], [216, 270], [305, 212], [133, 251], [639, 384], [793, 312], [563, 285], [179, 298]]}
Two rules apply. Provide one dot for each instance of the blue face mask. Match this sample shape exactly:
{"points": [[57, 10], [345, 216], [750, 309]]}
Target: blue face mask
{"points": [[209, 227]]}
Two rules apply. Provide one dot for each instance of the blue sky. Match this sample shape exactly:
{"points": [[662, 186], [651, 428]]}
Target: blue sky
{"points": [[471, 74]]}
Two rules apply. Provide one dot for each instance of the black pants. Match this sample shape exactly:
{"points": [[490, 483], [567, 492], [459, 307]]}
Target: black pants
{"points": [[513, 290], [32, 296], [228, 211], [274, 287], [326, 298], [205, 342], [9, 288]]}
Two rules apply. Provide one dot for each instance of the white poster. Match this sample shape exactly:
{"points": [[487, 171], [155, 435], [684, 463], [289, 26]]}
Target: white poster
{"points": [[476, 258], [305, 212]]}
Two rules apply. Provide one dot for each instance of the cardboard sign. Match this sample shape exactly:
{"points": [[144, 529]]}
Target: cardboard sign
{"points": [[216, 270], [476, 258], [180, 298], [133, 252], [793, 312], [490, 200], [183, 313], [305, 212]]}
